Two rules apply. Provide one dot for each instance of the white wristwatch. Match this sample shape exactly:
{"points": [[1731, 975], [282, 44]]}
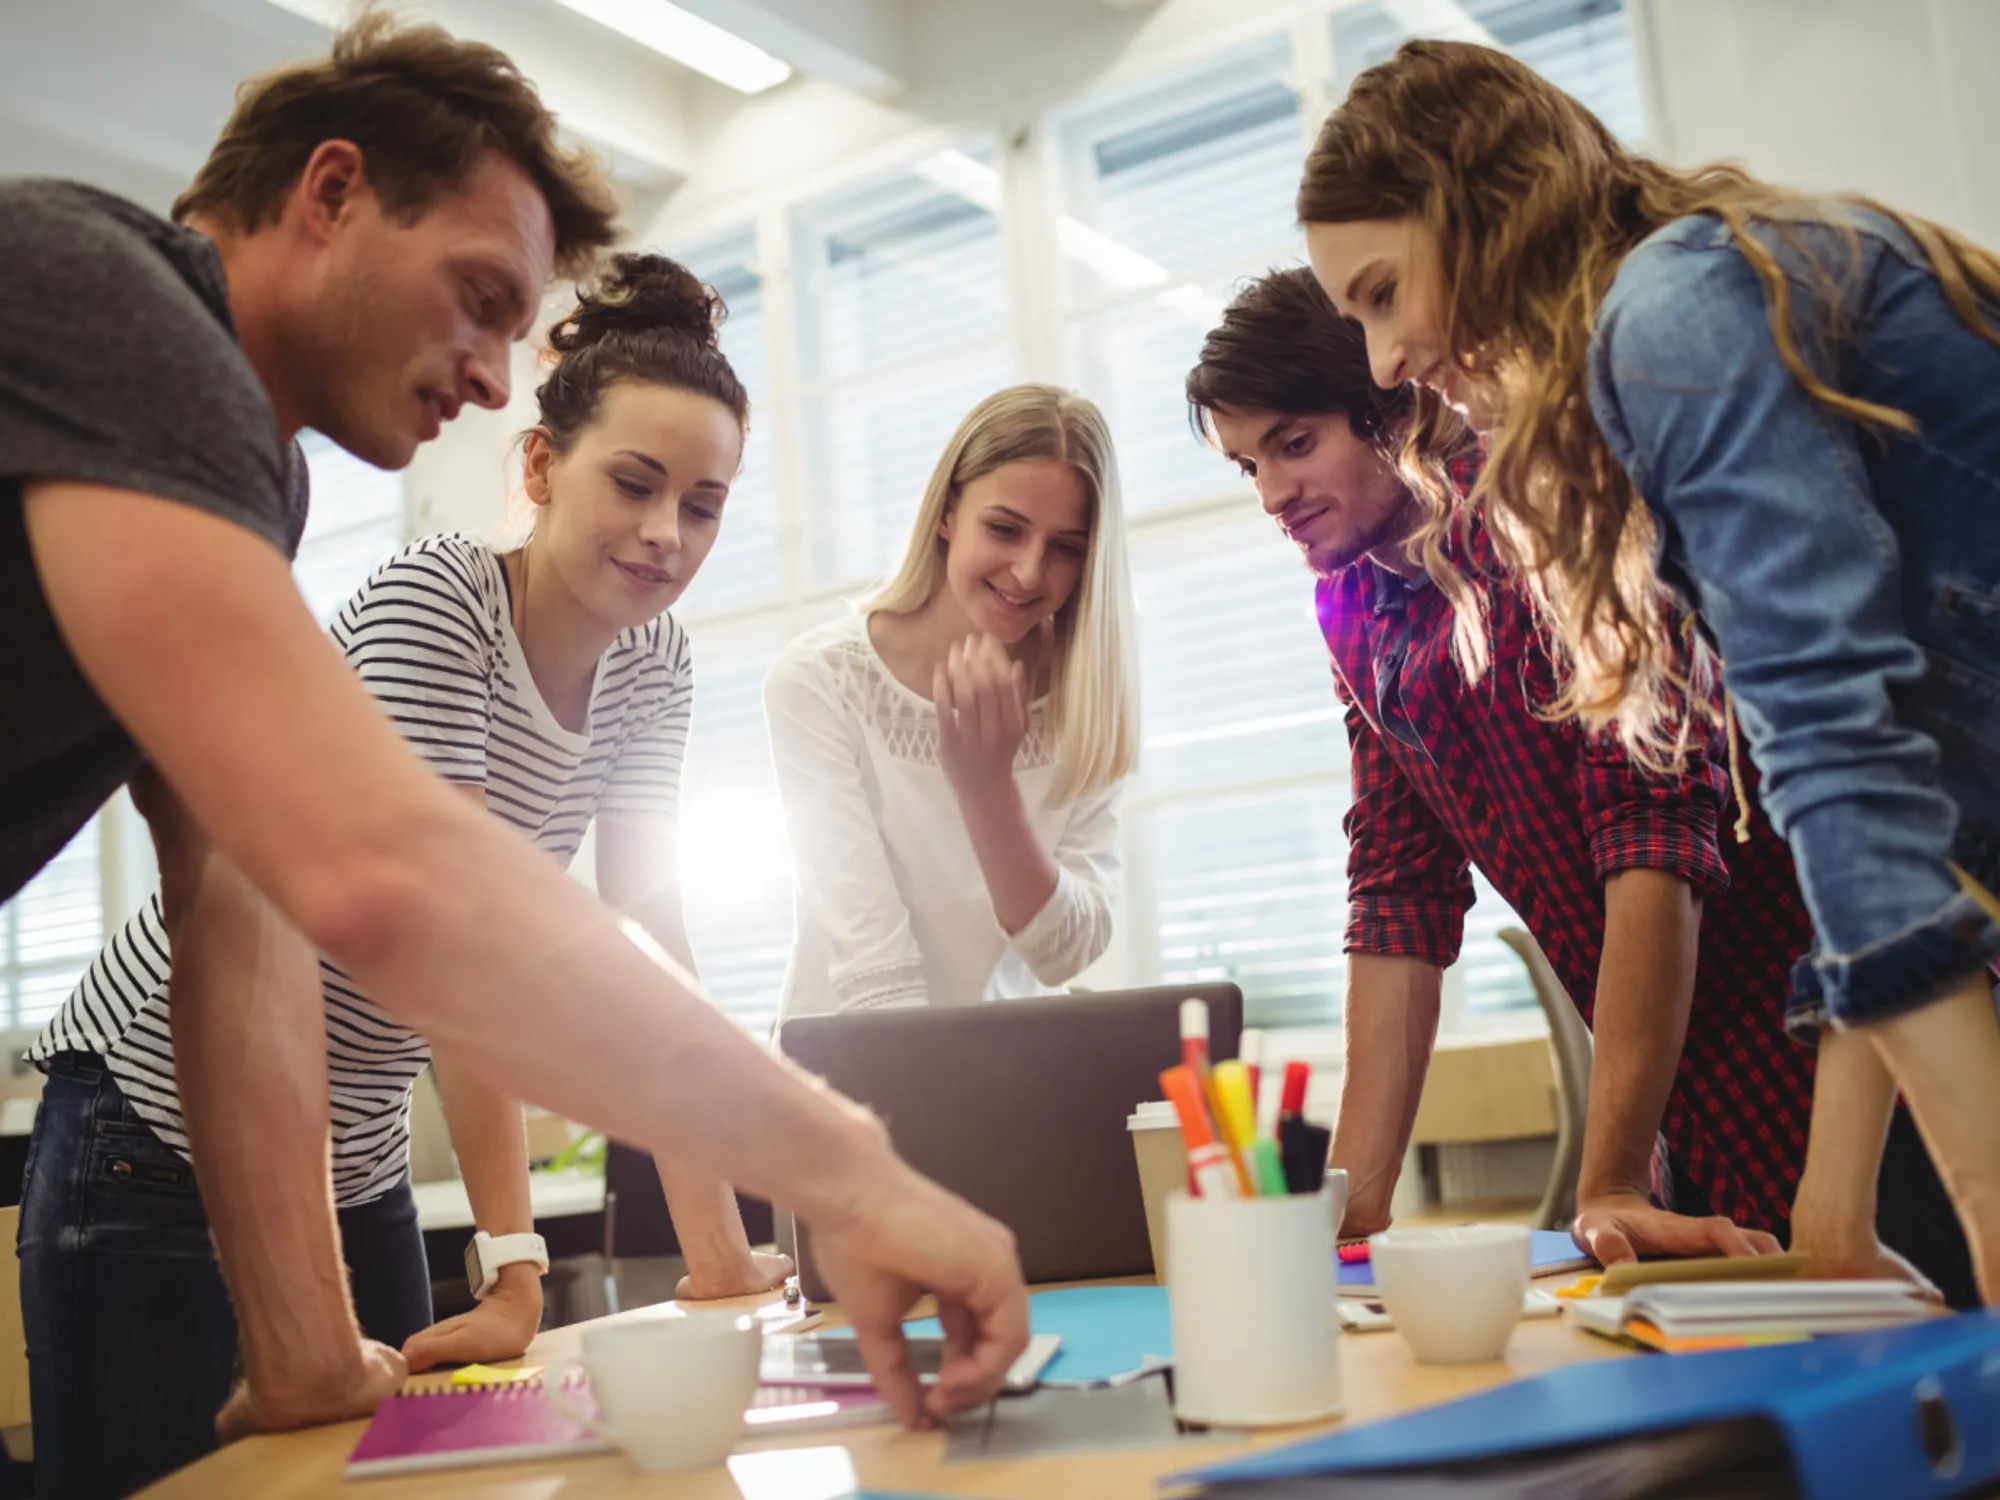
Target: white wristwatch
{"points": [[486, 1253]]}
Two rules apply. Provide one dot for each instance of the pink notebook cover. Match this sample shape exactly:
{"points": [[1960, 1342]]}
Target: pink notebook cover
{"points": [[478, 1425], [466, 1427]]}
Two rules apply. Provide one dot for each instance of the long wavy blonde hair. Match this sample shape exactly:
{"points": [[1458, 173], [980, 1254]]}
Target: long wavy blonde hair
{"points": [[1092, 719], [1534, 204]]}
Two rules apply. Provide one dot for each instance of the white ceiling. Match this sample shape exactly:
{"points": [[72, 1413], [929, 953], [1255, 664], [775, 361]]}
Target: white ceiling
{"points": [[130, 94]]}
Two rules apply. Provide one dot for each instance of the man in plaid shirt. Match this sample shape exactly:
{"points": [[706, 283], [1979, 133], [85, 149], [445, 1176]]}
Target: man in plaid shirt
{"points": [[1676, 946]]}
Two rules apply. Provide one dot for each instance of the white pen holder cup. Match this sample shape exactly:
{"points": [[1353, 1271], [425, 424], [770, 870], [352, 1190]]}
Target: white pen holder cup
{"points": [[671, 1390], [1255, 1311]]}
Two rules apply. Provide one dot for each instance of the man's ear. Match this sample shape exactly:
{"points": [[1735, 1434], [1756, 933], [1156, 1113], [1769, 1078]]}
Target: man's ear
{"points": [[330, 186]]}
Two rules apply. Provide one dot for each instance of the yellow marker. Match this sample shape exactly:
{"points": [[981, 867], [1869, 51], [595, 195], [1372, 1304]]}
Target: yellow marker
{"points": [[1237, 1116], [1212, 1086]]}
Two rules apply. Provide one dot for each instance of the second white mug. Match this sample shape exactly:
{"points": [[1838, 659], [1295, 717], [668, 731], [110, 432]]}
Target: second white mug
{"points": [[1455, 1292]]}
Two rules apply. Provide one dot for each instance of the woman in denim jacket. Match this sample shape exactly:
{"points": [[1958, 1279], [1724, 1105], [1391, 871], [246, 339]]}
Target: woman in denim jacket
{"points": [[1788, 409]]}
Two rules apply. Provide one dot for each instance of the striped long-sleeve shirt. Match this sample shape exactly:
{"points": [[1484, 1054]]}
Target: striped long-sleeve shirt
{"points": [[431, 636]]}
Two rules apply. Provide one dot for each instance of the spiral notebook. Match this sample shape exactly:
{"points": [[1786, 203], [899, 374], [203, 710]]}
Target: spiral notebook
{"points": [[469, 1425]]}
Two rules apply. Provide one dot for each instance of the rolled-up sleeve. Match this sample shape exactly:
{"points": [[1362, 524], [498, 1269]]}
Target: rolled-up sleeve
{"points": [[1639, 820]]}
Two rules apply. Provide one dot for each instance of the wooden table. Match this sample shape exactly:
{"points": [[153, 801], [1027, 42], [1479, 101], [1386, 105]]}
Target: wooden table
{"points": [[1378, 1377]]}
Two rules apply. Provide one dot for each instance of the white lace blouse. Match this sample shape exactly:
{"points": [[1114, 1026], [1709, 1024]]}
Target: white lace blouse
{"points": [[892, 906]]}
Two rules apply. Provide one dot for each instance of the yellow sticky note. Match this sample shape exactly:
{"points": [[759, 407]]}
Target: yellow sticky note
{"points": [[487, 1375]]}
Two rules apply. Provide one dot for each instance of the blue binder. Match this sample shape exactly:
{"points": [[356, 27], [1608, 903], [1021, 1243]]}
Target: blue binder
{"points": [[1910, 1412]]}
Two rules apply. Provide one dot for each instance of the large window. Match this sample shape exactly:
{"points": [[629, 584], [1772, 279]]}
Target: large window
{"points": [[904, 323], [744, 567], [51, 931], [1097, 249], [867, 315], [736, 872], [1172, 192], [1237, 814]]}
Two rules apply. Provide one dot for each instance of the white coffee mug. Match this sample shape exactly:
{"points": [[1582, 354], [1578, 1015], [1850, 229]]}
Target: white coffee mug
{"points": [[671, 1390], [1455, 1291]]}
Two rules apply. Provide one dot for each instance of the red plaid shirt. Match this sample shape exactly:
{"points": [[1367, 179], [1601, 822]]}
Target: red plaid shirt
{"points": [[1446, 775]]}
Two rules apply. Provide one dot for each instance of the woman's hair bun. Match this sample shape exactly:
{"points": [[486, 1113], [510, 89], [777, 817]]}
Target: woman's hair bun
{"points": [[640, 294]]}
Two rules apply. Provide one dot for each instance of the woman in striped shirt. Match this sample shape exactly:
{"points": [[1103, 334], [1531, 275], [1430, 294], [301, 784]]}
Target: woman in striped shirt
{"points": [[552, 686]]}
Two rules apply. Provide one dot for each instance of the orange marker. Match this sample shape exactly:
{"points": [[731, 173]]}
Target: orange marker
{"points": [[1210, 1172]]}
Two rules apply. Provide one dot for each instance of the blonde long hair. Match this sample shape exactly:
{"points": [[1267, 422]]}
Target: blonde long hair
{"points": [[1092, 722], [1534, 205]]}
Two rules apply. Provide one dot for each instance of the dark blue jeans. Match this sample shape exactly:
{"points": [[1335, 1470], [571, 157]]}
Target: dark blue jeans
{"points": [[131, 1341]]}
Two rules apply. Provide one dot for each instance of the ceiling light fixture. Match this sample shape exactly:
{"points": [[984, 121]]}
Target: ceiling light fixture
{"points": [[690, 41]]}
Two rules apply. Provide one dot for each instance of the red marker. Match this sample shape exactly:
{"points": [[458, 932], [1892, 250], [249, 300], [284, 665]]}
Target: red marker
{"points": [[1302, 1148], [1210, 1174], [1350, 1255], [1297, 1076]]}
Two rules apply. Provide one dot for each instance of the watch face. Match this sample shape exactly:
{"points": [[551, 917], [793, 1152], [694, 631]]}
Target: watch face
{"points": [[473, 1276]]}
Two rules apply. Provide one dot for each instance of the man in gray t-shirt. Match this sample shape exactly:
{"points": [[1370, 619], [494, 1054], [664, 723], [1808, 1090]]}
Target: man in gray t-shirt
{"points": [[379, 228]]}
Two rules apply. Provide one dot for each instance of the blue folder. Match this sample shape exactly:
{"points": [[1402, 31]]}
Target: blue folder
{"points": [[1857, 1413]]}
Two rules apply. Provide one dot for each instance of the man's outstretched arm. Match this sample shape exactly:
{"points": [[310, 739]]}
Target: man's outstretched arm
{"points": [[192, 631]]}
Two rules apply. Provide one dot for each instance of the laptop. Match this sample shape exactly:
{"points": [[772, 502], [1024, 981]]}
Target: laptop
{"points": [[1019, 1107]]}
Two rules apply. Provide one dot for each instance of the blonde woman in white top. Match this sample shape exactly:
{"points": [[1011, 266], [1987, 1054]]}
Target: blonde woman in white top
{"points": [[950, 754]]}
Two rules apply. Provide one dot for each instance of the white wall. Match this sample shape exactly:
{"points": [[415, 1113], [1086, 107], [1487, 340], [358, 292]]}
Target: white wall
{"points": [[1895, 98]]}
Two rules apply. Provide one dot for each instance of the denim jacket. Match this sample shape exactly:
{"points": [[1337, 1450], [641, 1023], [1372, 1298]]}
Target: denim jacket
{"points": [[1849, 577]]}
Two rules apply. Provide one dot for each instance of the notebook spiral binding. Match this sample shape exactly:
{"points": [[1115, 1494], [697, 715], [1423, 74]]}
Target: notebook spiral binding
{"points": [[575, 1380]]}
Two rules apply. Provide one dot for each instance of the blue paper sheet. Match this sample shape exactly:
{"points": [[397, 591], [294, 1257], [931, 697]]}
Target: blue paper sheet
{"points": [[1106, 1331], [1547, 1249]]}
